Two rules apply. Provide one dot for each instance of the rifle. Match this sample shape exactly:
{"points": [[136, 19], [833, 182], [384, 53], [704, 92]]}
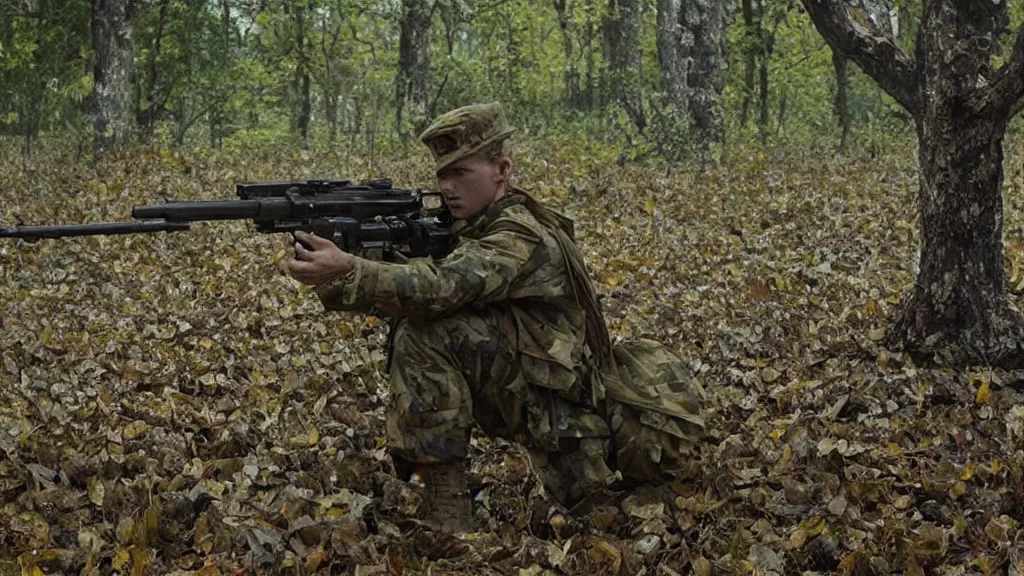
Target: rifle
{"points": [[373, 220]]}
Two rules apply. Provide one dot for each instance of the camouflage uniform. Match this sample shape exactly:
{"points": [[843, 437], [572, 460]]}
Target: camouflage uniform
{"points": [[505, 332]]}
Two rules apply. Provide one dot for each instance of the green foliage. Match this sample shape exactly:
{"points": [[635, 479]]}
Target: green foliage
{"points": [[44, 66], [206, 76]]}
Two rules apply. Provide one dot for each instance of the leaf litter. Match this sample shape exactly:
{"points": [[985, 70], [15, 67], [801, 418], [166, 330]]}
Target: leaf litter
{"points": [[175, 404]]}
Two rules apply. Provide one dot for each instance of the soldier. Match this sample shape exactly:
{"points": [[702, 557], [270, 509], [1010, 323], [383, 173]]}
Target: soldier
{"points": [[506, 332]]}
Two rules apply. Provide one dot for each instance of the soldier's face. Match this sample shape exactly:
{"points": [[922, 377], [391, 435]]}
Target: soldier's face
{"points": [[473, 183]]}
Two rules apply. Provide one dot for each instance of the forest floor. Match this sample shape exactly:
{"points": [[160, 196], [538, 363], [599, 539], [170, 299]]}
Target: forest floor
{"points": [[176, 404]]}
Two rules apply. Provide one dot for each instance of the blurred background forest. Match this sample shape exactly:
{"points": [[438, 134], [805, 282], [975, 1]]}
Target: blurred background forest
{"points": [[657, 77]]}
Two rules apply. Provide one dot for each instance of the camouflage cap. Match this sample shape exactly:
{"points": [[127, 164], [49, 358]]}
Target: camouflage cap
{"points": [[464, 132]]}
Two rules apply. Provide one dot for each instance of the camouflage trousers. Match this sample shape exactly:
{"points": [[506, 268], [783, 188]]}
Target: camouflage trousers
{"points": [[448, 374]]}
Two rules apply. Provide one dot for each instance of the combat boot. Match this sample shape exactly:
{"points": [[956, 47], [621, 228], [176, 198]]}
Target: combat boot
{"points": [[446, 497]]}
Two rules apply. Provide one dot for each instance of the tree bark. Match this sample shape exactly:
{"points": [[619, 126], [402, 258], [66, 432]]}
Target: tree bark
{"points": [[841, 107], [766, 42], [573, 95], [958, 309], [303, 108], [147, 113], [674, 68], [221, 89], [331, 79], [691, 51], [113, 75], [750, 52], [413, 80], [591, 96], [622, 29], [704, 44]]}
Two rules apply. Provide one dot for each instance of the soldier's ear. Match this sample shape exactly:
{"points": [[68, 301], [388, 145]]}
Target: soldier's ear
{"points": [[505, 167]]}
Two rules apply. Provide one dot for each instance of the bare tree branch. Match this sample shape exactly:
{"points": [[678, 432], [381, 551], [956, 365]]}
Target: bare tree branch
{"points": [[875, 52], [1008, 84]]}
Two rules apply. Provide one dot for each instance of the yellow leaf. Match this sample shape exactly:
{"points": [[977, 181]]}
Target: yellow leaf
{"points": [[121, 559], [701, 566], [140, 560], [870, 307], [770, 375], [877, 334], [152, 526], [958, 489], [649, 205], [31, 570], [202, 541], [787, 454], [206, 343], [968, 471], [314, 560], [96, 491], [813, 526], [134, 429], [314, 436], [604, 552], [797, 539], [983, 391], [959, 526]]}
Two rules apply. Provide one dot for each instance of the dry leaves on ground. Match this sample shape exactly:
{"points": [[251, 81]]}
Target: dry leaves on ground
{"points": [[174, 404]]}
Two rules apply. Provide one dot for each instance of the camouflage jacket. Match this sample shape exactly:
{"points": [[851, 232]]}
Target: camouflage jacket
{"points": [[504, 257]]}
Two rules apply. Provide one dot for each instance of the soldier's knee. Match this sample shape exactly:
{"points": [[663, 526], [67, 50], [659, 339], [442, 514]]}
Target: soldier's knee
{"points": [[457, 333], [414, 335]]}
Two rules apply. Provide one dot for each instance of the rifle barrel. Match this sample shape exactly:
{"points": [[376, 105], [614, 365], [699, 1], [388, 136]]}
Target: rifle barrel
{"points": [[264, 208], [100, 229]]}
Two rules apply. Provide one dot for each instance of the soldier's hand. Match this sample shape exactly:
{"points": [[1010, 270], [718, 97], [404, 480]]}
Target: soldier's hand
{"points": [[323, 263]]}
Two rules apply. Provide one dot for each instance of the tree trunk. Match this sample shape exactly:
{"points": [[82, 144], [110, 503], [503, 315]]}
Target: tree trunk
{"points": [[573, 97], [591, 97], [413, 80], [704, 22], [674, 68], [303, 108], [958, 309], [766, 45], [33, 92], [113, 75], [331, 114], [622, 30], [147, 113], [750, 40], [513, 58], [331, 84], [691, 51], [960, 292], [841, 107]]}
